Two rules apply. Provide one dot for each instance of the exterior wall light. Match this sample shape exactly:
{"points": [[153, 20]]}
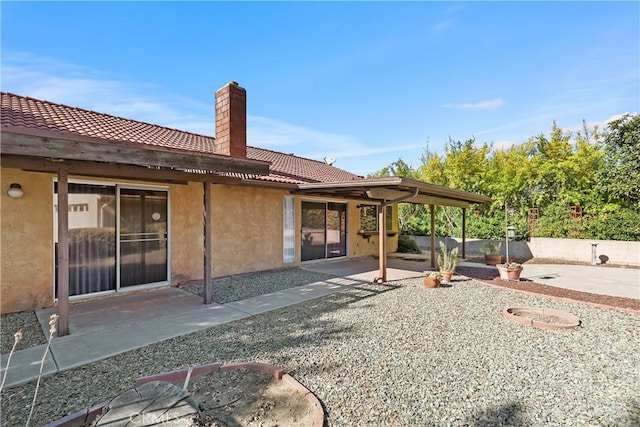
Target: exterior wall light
{"points": [[511, 232], [15, 191]]}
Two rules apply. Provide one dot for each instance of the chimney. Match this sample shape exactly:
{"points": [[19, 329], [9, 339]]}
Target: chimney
{"points": [[231, 120]]}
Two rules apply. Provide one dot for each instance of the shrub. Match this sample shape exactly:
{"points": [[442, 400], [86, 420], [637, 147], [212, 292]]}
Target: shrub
{"points": [[407, 245]]}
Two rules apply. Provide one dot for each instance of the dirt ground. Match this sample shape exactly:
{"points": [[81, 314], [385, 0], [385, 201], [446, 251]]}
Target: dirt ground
{"points": [[249, 398]]}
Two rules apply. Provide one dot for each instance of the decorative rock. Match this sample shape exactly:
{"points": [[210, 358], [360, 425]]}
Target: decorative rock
{"points": [[151, 404]]}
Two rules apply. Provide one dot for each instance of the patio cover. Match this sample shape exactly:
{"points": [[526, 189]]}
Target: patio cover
{"points": [[67, 153], [392, 190]]}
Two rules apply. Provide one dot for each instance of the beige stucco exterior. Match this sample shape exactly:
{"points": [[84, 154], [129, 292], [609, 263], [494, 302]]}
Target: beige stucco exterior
{"points": [[247, 233], [26, 242], [187, 224], [247, 229]]}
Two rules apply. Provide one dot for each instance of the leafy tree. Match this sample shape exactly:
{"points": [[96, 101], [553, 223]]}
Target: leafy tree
{"points": [[598, 171], [619, 177], [398, 168]]}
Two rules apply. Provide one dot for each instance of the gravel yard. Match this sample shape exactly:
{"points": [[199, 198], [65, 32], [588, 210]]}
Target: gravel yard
{"points": [[398, 354], [25, 321]]}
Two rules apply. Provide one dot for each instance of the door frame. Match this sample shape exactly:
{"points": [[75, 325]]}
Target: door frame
{"points": [[127, 186], [118, 290], [346, 229]]}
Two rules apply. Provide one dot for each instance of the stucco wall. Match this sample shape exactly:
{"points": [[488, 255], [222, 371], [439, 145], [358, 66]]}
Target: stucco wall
{"points": [[247, 229], [247, 234], [367, 245], [187, 227], [26, 242]]}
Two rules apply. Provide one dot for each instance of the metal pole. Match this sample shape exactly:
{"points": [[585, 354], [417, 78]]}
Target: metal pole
{"points": [[382, 244], [464, 233], [506, 230], [433, 235]]}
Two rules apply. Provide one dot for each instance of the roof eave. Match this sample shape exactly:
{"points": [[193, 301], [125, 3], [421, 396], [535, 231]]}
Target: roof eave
{"points": [[70, 146]]}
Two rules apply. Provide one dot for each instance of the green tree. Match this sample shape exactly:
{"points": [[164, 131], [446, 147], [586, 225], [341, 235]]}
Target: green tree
{"points": [[398, 168], [619, 177]]}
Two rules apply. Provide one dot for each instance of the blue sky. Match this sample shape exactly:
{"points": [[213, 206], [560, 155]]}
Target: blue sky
{"points": [[365, 82]]}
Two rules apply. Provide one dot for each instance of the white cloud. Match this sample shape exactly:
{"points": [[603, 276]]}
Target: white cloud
{"points": [[56, 81], [282, 136], [69, 84], [441, 26], [491, 104]]}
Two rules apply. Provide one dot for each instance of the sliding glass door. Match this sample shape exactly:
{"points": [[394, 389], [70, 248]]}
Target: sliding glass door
{"points": [[336, 230], [117, 237], [323, 230], [92, 238], [143, 236]]}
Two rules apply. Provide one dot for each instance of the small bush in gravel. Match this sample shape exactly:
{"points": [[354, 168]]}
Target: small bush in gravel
{"points": [[407, 245]]}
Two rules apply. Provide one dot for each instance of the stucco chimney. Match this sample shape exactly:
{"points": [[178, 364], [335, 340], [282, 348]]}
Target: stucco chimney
{"points": [[231, 120]]}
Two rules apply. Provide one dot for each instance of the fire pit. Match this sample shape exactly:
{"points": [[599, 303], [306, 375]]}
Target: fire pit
{"points": [[542, 318]]}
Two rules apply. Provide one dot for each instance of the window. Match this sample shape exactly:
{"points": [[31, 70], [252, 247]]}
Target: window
{"points": [[289, 241], [369, 218]]}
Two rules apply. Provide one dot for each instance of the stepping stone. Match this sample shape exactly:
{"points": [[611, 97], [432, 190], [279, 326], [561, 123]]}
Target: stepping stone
{"points": [[152, 404]]}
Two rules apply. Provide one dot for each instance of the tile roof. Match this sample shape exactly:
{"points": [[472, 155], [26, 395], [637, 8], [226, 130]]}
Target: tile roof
{"points": [[30, 113]]}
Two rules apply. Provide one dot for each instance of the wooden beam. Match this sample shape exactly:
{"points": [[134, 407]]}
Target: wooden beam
{"points": [[63, 253], [207, 243], [22, 142], [432, 211], [382, 244], [464, 233], [109, 170]]}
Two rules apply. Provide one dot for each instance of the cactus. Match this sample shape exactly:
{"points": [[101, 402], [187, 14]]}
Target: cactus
{"points": [[447, 260]]}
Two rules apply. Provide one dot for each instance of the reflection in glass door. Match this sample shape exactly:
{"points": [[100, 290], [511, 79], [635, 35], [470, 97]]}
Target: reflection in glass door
{"points": [[323, 230], [313, 231], [336, 230], [92, 238], [143, 236]]}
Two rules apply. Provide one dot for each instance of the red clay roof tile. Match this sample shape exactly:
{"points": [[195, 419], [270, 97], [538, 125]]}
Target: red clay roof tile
{"points": [[30, 113]]}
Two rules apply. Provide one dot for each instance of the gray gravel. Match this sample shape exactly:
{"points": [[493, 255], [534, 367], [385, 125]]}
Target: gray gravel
{"points": [[25, 321], [399, 354], [245, 286]]}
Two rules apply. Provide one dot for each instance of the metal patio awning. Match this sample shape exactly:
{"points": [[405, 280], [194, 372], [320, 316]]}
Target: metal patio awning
{"points": [[386, 190], [391, 190]]}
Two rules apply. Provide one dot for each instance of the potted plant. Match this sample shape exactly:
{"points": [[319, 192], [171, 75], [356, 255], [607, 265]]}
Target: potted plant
{"points": [[510, 271], [432, 279], [447, 261], [491, 253]]}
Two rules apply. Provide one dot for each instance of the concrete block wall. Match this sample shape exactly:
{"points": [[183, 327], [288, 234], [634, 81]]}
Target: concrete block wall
{"points": [[607, 251]]}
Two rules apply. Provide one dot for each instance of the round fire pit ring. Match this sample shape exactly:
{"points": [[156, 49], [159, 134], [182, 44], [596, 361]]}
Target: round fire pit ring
{"points": [[542, 318]]}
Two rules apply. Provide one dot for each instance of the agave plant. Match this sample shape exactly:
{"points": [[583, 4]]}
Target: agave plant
{"points": [[447, 260]]}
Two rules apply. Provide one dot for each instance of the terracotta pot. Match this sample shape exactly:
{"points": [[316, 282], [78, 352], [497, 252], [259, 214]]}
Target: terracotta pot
{"points": [[492, 259], [446, 276], [512, 274], [430, 282]]}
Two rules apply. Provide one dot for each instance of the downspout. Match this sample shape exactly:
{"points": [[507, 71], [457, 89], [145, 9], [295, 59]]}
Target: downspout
{"points": [[382, 231]]}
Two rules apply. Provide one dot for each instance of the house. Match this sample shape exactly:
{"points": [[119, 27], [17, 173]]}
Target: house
{"points": [[93, 204]]}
